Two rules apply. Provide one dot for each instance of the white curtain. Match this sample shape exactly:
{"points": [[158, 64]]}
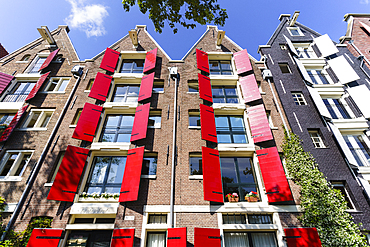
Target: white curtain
{"points": [[156, 239], [236, 239], [264, 239]]}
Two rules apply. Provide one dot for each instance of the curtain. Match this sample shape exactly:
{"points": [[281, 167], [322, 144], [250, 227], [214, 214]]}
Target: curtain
{"points": [[156, 239], [264, 239], [236, 239]]}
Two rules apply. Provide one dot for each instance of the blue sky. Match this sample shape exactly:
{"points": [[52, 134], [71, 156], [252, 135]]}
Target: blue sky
{"points": [[97, 24]]}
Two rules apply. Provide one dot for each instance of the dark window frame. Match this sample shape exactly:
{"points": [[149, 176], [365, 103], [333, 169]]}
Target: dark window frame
{"points": [[226, 98], [134, 68], [230, 130], [116, 130], [220, 70]]}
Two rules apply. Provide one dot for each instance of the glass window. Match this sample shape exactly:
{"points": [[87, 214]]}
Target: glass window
{"points": [[233, 219], [250, 239], [36, 65], [117, 128], [156, 239], [26, 57], [14, 163], [158, 87], [57, 165], [126, 93], [106, 174], [194, 119], [318, 76], [150, 165], [155, 119], [20, 92], [5, 120], [193, 86], [230, 129], [90, 84], [295, 31], [340, 186], [359, 149], [238, 176], [284, 67], [195, 163], [132, 66], [217, 67], [316, 139], [77, 116], [57, 85], [225, 94], [157, 219], [37, 119], [78, 238], [336, 109], [299, 99], [259, 219]]}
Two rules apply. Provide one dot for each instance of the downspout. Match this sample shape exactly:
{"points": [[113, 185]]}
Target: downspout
{"points": [[40, 161], [172, 200]]}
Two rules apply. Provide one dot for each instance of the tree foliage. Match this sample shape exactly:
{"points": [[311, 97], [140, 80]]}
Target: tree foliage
{"points": [[182, 12], [323, 206]]}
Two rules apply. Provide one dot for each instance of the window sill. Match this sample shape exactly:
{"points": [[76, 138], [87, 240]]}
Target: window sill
{"points": [[10, 178], [22, 61], [149, 176], [124, 76], [159, 92], [89, 227], [114, 105], [194, 127], [97, 200], [52, 92], [9, 106], [196, 177], [235, 147], [192, 92], [110, 146], [274, 128], [72, 125], [224, 77], [32, 129], [10, 207], [48, 184], [154, 127], [87, 91], [32, 76], [228, 106]]}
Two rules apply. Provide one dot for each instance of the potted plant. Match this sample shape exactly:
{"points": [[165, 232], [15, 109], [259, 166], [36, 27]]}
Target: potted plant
{"points": [[232, 197], [252, 197]]}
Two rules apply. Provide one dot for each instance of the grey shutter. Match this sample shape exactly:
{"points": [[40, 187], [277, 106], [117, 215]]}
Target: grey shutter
{"points": [[343, 70], [325, 45], [319, 103], [291, 46], [361, 95], [303, 71], [342, 144]]}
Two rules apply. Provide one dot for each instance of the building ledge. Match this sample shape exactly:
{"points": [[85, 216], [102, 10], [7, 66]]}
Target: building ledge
{"points": [[351, 126]]}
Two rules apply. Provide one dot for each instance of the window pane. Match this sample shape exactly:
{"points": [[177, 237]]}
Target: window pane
{"points": [[259, 219], [99, 169], [127, 120], [230, 91], [237, 239], [217, 91], [150, 166], [237, 122], [225, 65], [63, 85], [223, 138], [123, 137], [46, 120], [112, 120], [239, 138], [245, 170], [228, 170], [195, 166], [221, 122], [194, 120], [23, 164], [34, 116], [264, 239], [9, 163], [156, 239], [117, 169]]}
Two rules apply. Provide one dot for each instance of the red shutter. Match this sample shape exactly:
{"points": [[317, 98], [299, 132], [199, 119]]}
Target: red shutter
{"points": [[68, 177], [140, 122], [250, 88], [146, 87], [205, 88], [302, 237], [207, 123], [131, 178], [100, 87], [150, 60], [13, 123], [212, 182], [259, 124], [88, 122], [242, 62], [276, 184], [49, 59], [123, 238], [5, 79], [176, 237], [110, 60], [202, 61], [37, 86], [207, 237], [45, 237]]}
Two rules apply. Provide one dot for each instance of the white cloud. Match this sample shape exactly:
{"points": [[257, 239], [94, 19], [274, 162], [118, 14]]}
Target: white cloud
{"points": [[364, 1], [87, 18]]}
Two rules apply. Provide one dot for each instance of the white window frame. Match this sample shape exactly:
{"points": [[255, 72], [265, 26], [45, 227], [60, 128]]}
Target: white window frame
{"points": [[317, 143], [34, 61], [299, 97], [195, 155], [39, 121], [295, 28], [10, 176], [58, 81], [301, 47], [339, 184], [147, 228], [324, 73], [359, 153]]}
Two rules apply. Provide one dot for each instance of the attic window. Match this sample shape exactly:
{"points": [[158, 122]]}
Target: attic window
{"points": [[295, 31], [26, 57]]}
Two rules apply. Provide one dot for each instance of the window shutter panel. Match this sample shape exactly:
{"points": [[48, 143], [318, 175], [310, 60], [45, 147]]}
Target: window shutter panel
{"points": [[176, 237], [212, 182], [37, 86], [49, 59], [259, 124], [150, 60], [343, 70], [342, 143], [207, 123], [207, 237], [325, 45], [250, 88], [5, 80], [140, 122], [291, 46], [146, 87], [131, 178], [323, 110], [123, 237], [205, 88], [242, 62], [302, 237], [110, 60], [88, 122], [361, 95], [45, 237], [276, 184], [202, 60], [69, 174], [303, 71], [100, 87], [366, 27], [13, 124]]}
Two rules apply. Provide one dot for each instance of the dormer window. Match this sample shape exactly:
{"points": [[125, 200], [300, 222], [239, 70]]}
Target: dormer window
{"points": [[295, 31], [132, 66]]}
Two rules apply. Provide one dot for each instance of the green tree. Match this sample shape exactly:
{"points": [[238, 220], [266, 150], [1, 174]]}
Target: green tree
{"points": [[323, 206], [180, 12]]}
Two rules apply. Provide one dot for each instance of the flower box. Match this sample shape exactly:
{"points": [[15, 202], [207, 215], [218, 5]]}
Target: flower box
{"points": [[233, 199], [251, 199]]}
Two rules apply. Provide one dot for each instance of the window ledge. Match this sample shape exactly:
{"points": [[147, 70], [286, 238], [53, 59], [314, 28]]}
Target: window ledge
{"points": [[52, 92], [32, 129], [192, 92], [32, 76], [124, 76], [194, 127], [110, 146], [228, 106], [154, 127], [196, 177], [274, 128], [48, 184], [224, 77], [10, 207], [114, 105], [10, 106], [22, 61], [236, 147], [262, 93], [72, 125], [10, 178], [87, 91], [158, 92], [97, 200], [89, 226], [149, 176], [251, 226]]}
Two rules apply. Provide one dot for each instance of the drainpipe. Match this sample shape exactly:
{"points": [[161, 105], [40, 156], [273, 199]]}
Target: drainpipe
{"points": [[175, 76], [40, 161]]}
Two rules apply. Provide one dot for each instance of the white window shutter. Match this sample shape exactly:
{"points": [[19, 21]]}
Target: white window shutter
{"points": [[319, 103], [291, 46], [343, 70], [342, 144], [361, 95], [303, 71], [325, 45]]}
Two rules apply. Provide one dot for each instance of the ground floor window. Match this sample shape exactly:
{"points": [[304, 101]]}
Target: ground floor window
{"points": [[156, 239], [89, 238], [250, 239]]}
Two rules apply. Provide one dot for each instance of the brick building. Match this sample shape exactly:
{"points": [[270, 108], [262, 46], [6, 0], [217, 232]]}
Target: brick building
{"points": [[130, 147], [3, 52]]}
